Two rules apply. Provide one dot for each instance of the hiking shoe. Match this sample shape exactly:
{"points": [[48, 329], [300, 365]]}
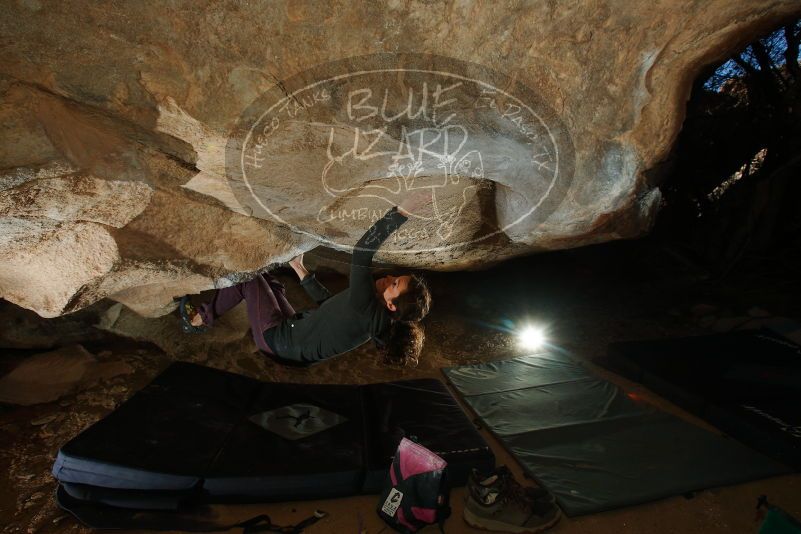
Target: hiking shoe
{"points": [[495, 479], [507, 507]]}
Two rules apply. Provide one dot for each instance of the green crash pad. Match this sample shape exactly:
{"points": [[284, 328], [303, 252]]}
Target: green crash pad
{"points": [[591, 444]]}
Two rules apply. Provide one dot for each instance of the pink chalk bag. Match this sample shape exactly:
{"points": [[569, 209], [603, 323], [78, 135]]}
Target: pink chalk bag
{"points": [[416, 492]]}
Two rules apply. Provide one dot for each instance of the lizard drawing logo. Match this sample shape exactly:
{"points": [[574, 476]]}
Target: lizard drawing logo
{"points": [[333, 148], [429, 159]]}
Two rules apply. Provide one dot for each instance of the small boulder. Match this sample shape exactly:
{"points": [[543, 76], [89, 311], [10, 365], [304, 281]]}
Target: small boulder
{"points": [[756, 311], [48, 376]]}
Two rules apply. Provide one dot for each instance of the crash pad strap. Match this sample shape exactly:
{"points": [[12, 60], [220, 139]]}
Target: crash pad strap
{"points": [[190, 518]]}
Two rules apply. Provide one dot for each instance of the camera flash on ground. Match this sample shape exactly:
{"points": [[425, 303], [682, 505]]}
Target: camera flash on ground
{"points": [[531, 337]]}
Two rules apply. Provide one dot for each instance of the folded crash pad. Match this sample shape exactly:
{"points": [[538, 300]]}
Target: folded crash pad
{"points": [[197, 433], [592, 444]]}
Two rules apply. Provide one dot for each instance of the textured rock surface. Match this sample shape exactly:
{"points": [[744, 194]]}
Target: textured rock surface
{"points": [[116, 121], [51, 375]]}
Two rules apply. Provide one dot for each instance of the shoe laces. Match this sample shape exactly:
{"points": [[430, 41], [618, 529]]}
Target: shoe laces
{"points": [[512, 491], [502, 478]]}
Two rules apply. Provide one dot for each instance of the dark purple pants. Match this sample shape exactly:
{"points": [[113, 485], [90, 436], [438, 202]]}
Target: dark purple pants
{"points": [[266, 300]]}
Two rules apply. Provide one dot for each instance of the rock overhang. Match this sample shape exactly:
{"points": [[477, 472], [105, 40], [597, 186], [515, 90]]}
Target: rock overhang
{"points": [[152, 100]]}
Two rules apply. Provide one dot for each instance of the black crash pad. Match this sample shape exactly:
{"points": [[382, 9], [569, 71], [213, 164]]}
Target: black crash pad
{"points": [[747, 383], [221, 437]]}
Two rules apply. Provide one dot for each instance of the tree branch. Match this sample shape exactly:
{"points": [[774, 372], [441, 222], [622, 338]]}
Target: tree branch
{"points": [[772, 79], [746, 66], [791, 53], [762, 56]]}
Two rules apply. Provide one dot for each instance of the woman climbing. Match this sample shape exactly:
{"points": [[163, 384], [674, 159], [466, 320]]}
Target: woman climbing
{"points": [[387, 310]]}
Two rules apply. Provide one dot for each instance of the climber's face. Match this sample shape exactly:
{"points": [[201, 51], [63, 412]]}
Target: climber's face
{"points": [[391, 287]]}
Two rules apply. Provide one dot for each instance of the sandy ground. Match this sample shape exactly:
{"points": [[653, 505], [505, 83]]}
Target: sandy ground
{"points": [[586, 299]]}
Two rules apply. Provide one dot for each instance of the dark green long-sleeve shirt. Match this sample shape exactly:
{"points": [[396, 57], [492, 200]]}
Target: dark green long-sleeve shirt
{"points": [[346, 320]]}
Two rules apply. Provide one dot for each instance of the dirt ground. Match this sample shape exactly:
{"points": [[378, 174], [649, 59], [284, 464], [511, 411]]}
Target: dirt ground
{"points": [[585, 299]]}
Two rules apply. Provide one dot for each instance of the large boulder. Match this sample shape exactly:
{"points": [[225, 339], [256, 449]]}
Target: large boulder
{"points": [[151, 150]]}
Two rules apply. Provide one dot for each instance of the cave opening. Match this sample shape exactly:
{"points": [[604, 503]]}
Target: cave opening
{"points": [[731, 201]]}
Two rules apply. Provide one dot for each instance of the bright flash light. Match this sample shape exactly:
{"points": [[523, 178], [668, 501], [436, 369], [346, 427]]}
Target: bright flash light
{"points": [[531, 337]]}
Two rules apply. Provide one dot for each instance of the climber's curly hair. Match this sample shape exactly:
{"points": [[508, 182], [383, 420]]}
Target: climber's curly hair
{"points": [[415, 302]]}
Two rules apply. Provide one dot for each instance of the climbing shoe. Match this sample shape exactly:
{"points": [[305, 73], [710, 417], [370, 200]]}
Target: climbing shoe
{"points": [[188, 311]]}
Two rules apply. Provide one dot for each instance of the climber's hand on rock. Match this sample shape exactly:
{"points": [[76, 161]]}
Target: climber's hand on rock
{"points": [[297, 261], [297, 265]]}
